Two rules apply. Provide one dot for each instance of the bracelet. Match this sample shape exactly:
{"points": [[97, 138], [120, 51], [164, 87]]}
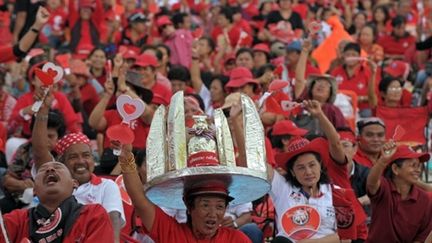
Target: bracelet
{"points": [[128, 166], [41, 117], [35, 30]]}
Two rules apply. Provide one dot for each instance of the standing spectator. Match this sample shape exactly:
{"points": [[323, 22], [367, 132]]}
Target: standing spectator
{"points": [[96, 61], [25, 11], [398, 41], [381, 19], [285, 14], [135, 35], [178, 40], [367, 38], [402, 212], [53, 32]]}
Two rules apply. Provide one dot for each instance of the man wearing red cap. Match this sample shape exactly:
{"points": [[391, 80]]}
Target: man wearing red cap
{"points": [[178, 40], [75, 152], [401, 211]]}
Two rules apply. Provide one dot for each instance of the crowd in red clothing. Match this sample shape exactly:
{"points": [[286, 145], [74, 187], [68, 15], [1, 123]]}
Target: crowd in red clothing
{"points": [[367, 63]]}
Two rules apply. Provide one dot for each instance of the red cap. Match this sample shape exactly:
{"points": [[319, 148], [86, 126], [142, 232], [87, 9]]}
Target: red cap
{"points": [[299, 146], [239, 77], [163, 20], [130, 54], [87, 4], [406, 152], [214, 187], [347, 136], [79, 67], [145, 60], [287, 127], [159, 100], [262, 47], [398, 69]]}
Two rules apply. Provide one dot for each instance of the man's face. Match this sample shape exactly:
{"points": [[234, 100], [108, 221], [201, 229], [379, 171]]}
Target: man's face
{"points": [[245, 60], [399, 31], [372, 138], [207, 214], [349, 149], [79, 160], [53, 181]]}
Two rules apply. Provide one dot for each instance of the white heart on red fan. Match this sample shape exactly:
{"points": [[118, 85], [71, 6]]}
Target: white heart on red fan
{"points": [[129, 108], [314, 27], [53, 71]]}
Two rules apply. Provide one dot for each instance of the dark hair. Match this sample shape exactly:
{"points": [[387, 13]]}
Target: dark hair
{"points": [[352, 46], [224, 79], [140, 157], [179, 73], [374, 30], [98, 48], [289, 177], [398, 21], [227, 12], [276, 140], [178, 18], [312, 84], [168, 50], [388, 173], [210, 42], [369, 121], [263, 69], [55, 120], [386, 81], [385, 11], [148, 47], [244, 50], [199, 99]]}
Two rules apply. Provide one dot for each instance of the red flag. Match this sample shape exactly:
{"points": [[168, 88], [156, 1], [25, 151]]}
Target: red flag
{"points": [[411, 119]]}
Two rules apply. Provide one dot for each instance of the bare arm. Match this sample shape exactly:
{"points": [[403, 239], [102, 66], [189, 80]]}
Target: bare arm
{"points": [[144, 208], [41, 154], [300, 83], [335, 146], [42, 16], [243, 219], [116, 223], [373, 180], [372, 97], [15, 185], [425, 186], [19, 24], [195, 72], [96, 118]]}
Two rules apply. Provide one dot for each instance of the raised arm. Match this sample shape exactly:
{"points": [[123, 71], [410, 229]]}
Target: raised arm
{"points": [[144, 208], [300, 83], [196, 72], [97, 119], [373, 181], [335, 146], [372, 97], [41, 154]]}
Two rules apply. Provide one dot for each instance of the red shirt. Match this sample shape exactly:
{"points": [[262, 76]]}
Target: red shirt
{"points": [[166, 230], [399, 220], [233, 34], [357, 83], [60, 103], [89, 97], [362, 159], [396, 46], [138, 127], [6, 53], [161, 90], [92, 225]]}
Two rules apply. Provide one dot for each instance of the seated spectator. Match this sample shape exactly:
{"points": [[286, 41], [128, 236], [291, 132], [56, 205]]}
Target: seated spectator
{"points": [[69, 219], [18, 178], [367, 39], [371, 138], [398, 41], [397, 189], [75, 152]]}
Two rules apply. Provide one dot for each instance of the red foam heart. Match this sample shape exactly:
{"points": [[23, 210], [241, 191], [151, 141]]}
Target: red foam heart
{"points": [[44, 77], [121, 133], [314, 27], [129, 108], [52, 72]]}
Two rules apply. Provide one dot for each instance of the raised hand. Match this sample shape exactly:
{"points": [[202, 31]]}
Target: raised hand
{"points": [[387, 152], [42, 17], [313, 107]]}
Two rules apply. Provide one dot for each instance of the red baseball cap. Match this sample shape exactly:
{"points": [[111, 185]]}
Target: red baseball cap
{"points": [[212, 187], [159, 100], [406, 152], [299, 146], [130, 54], [163, 20], [261, 47], [145, 60], [287, 127], [398, 69], [86, 4], [239, 77]]}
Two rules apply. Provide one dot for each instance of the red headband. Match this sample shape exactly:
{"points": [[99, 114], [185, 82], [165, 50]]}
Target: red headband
{"points": [[69, 140]]}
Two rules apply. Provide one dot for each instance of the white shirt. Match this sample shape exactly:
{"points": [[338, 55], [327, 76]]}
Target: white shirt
{"points": [[101, 191], [285, 197]]}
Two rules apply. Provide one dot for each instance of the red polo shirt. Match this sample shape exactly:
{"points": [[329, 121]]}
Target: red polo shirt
{"points": [[358, 82], [398, 220], [362, 159], [396, 46]]}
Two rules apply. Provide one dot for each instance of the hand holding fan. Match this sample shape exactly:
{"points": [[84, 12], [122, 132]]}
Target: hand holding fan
{"points": [[129, 109], [48, 75]]}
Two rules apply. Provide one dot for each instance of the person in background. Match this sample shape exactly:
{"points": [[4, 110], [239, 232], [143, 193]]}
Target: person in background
{"points": [[401, 210], [371, 138]]}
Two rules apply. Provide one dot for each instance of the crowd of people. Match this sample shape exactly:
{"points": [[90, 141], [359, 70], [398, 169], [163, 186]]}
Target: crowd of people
{"points": [[343, 89]]}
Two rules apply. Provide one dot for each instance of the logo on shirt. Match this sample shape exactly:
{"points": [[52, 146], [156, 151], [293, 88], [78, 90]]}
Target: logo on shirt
{"points": [[49, 224], [301, 222], [344, 217]]}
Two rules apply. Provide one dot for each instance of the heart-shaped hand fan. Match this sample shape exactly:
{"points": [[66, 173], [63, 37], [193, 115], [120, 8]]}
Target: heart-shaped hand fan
{"points": [[314, 27], [399, 133], [128, 108], [49, 74]]}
